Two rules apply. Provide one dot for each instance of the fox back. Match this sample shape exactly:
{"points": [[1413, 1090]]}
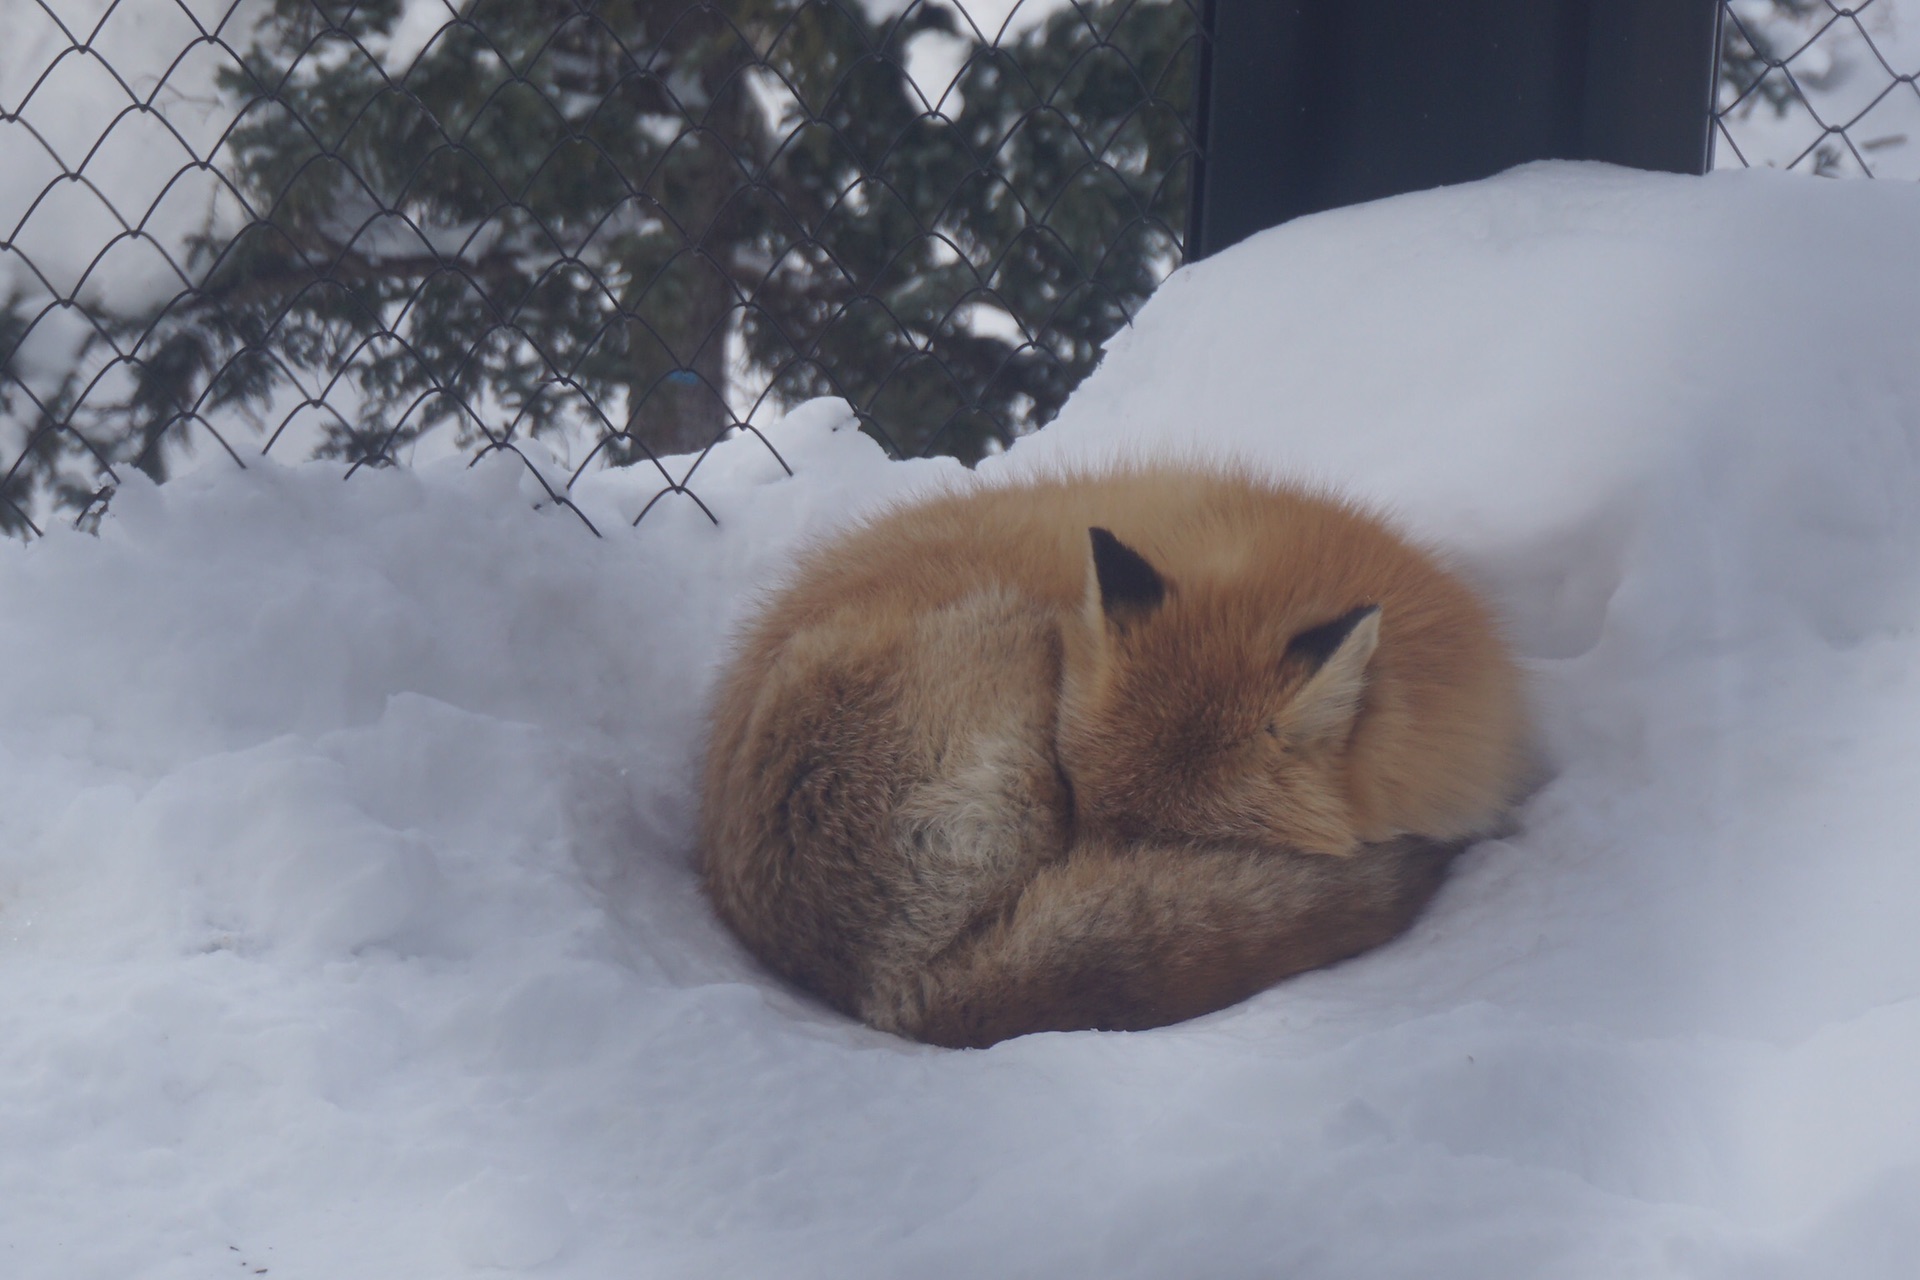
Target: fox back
{"points": [[1099, 750]]}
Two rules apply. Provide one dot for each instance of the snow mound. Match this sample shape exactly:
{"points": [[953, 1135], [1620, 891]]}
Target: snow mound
{"points": [[348, 928]]}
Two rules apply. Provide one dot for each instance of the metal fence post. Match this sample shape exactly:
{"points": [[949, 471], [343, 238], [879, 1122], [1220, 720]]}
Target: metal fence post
{"points": [[1311, 104]]}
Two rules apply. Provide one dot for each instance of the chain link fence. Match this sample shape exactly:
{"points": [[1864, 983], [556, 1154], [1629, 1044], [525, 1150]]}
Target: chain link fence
{"points": [[1822, 87], [386, 230], [382, 231]]}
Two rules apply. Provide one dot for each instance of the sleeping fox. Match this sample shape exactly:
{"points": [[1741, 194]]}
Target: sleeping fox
{"points": [[1099, 751]]}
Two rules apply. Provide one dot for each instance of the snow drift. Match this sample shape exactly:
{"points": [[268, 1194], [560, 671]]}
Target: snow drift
{"points": [[347, 925]]}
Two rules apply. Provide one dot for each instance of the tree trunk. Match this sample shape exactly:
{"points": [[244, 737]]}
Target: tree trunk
{"points": [[688, 312], [685, 410]]}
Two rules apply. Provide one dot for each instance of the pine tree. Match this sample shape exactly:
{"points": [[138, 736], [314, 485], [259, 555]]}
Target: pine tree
{"points": [[18, 482], [38, 442], [601, 219], [551, 215], [990, 251]]}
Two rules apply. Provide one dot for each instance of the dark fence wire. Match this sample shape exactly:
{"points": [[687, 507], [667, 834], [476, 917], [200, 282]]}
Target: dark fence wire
{"points": [[1819, 86], [728, 207], [370, 255]]}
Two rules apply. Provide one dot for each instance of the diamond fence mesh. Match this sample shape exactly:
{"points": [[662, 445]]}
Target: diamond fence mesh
{"points": [[1822, 87], [396, 229], [390, 230]]}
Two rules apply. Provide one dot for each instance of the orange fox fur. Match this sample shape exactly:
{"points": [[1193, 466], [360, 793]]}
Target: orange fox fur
{"points": [[1099, 751]]}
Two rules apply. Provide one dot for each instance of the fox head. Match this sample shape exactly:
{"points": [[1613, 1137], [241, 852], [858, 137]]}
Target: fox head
{"points": [[1189, 711]]}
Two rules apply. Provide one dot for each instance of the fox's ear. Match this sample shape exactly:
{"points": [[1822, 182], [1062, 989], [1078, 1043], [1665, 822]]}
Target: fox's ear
{"points": [[1128, 587], [1324, 709]]}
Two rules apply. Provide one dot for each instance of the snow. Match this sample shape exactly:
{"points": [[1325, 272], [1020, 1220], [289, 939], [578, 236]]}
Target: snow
{"points": [[347, 924]]}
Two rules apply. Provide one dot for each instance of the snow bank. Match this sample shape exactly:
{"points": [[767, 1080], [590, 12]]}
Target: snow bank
{"points": [[347, 925]]}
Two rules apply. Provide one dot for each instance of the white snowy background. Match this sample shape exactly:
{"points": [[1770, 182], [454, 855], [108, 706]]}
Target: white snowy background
{"points": [[1850, 66], [347, 919]]}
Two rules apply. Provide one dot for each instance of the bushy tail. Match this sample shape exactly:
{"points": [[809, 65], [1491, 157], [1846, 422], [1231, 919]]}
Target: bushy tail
{"points": [[1123, 939]]}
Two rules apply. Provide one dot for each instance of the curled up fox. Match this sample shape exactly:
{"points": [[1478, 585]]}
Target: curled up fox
{"points": [[1099, 751]]}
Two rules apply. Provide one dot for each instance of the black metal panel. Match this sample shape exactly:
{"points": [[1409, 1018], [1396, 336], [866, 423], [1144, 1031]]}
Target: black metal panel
{"points": [[1651, 66], [1313, 104]]}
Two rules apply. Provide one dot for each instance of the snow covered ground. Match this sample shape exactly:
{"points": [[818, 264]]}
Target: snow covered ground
{"points": [[346, 920]]}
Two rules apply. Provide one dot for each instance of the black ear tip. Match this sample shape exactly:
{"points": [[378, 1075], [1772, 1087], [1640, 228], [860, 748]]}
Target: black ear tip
{"points": [[1317, 644], [1126, 580]]}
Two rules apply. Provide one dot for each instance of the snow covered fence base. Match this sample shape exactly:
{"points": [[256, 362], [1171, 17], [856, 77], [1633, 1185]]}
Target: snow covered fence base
{"points": [[346, 919]]}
